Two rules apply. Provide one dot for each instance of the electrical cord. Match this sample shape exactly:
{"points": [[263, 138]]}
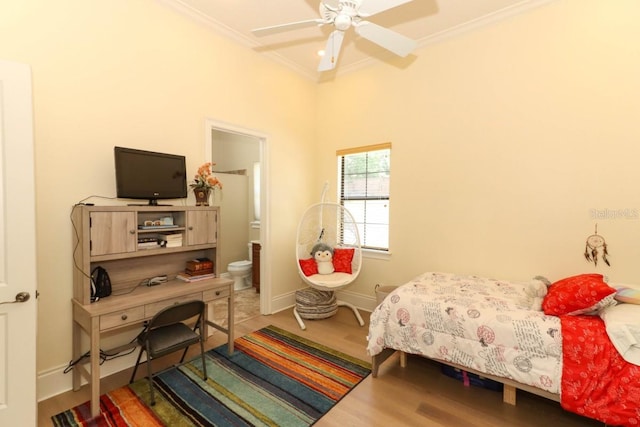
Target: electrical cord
{"points": [[77, 235], [105, 356], [77, 244]]}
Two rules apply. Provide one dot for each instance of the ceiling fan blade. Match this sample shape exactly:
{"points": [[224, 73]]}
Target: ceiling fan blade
{"points": [[331, 51], [286, 27], [371, 7], [390, 40]]}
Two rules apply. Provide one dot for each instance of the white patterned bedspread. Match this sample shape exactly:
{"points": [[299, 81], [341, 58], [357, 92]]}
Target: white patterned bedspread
{"points": [[492, 326]]}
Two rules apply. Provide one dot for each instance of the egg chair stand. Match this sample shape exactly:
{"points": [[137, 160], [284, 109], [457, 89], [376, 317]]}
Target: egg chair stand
{"points": [[333, 225]]}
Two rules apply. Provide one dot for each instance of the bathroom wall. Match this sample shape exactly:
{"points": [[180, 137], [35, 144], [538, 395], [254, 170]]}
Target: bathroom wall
{"points": [[234, 214], [234, 156]]}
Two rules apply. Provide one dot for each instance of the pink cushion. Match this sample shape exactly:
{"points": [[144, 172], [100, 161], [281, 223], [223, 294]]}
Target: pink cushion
{"points": [[582, 294], [309, 266], [342, 259]]}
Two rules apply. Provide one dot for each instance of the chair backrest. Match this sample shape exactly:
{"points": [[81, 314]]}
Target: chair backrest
{"points": [[178, 313]]}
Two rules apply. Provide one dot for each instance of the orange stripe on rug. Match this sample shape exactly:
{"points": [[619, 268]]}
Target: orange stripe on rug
{"points": [[303, 356], [123, 407], [298, 364]]}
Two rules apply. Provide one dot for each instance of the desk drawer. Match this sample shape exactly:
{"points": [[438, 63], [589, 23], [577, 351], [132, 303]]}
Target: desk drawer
{"points": [[114, 320], [151, 309], [215, 294]]}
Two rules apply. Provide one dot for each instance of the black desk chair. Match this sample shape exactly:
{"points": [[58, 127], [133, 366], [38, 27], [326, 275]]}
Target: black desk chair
{"points": [[166, 333]]}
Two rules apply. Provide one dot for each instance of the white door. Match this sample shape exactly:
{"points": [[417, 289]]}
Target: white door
{"points": [[18, 406]]}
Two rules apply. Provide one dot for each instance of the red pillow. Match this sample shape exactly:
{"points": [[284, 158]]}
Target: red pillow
{"points": [[309, 266], [342, 260], [582, 294]]}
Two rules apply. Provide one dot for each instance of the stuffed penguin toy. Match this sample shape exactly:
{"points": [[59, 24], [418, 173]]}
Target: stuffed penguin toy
{"points": [[323, 254]]}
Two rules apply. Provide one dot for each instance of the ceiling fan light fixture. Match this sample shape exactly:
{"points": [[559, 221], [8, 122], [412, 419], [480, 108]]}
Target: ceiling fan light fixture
{"points": [[342, 22]]}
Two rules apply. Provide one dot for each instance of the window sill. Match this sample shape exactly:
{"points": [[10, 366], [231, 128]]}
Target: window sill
{"points": [[373, 254]]}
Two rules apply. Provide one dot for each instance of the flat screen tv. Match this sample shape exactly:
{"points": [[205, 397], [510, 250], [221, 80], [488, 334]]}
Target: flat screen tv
{"points": [[149, 175]]}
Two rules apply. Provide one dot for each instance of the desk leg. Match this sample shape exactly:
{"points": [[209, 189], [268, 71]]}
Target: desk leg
{"points": [[231, 319], [208, 311], [95, 366], [76, 342]]}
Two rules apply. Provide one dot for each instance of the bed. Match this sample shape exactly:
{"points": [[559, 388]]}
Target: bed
{"points": [[552, 340]]}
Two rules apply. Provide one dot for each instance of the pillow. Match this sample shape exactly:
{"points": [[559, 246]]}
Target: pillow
{"points": [[309, 266], [628, 295], [622, 323], [342, 260], [582, 294]]}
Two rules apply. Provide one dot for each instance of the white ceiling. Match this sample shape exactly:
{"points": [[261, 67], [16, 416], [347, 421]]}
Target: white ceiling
{"points": [[425, 21]]}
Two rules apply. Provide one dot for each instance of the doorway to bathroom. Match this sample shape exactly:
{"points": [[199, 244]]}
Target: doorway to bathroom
{"points": [[239, 154]]}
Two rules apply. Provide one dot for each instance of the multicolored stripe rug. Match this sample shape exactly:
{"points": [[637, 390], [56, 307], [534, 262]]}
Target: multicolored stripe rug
{"points": [[274, 378]]}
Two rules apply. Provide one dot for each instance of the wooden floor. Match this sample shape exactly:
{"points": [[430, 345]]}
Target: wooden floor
{"points": [[416, 395]]}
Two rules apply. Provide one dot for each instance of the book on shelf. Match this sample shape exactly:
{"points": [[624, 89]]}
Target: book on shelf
{"points": [[149, 245], [172, 236], [148, 238], [185, 277], [198, 272], [170, 240], [171, 244]]}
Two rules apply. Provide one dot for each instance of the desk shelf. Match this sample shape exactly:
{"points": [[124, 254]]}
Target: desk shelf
{"points": [[107, 236]]}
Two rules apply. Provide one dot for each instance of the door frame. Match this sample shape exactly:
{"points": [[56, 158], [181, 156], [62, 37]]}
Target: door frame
{"points": [[265, 224]]}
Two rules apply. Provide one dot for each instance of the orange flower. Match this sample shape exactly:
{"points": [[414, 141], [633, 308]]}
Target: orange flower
{"points": [[214, 182], [204, 178]]}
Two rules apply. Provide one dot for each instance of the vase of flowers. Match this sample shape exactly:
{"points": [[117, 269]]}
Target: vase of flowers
{"points": [[204, 184]]}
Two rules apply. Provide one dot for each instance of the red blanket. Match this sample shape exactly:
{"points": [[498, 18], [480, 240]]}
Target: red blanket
{"points": [[596, 381]]}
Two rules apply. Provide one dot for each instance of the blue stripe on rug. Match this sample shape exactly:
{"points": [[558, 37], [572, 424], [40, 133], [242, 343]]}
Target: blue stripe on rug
{"points": [[286, 389], [246, 398], [194, 401]]}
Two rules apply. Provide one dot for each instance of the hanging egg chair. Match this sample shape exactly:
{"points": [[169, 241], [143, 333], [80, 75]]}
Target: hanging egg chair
{"points": [[326, 228]]}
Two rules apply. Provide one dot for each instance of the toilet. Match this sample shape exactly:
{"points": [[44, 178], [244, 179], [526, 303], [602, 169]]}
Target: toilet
{"points": [[240, 272]]}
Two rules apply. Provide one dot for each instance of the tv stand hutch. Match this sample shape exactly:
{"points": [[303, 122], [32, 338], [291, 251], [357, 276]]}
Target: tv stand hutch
{"points": [[108, 236]]}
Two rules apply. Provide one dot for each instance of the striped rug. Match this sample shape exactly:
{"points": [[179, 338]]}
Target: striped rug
{"points": [[274, 378]]}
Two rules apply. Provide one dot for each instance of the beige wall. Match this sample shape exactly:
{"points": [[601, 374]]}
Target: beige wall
{"points": [[505, 141], [137, 74]]}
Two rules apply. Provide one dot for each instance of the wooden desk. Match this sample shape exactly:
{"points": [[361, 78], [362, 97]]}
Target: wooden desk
{"points": [[120, 311]]}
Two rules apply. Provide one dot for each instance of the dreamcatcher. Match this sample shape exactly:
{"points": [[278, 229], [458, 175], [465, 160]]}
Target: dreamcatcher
{"points": [[595, 243]]}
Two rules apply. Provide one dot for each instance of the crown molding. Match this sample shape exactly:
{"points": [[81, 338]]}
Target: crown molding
{"points": [[231, 34]]}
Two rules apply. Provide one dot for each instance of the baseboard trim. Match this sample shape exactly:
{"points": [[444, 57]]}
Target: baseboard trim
{"points": [[54, 381]]}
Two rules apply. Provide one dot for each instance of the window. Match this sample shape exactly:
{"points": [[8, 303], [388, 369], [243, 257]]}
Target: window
{"points": [[363, 179]]}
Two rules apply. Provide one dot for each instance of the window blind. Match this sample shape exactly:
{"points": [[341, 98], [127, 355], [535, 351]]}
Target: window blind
{"points": [[364, 191]]}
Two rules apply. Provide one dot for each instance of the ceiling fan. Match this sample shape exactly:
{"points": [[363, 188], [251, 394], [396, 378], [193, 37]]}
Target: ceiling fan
{"points": [[346, 14]]}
